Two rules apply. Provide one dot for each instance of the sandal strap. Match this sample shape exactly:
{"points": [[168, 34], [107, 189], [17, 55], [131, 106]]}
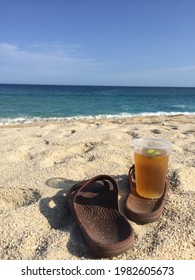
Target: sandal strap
{"points": [[78, 188]]}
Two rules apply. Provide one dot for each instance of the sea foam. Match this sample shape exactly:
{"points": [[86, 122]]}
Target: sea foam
{"points": [[27, 120]]}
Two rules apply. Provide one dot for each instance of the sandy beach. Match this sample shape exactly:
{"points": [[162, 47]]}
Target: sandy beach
{"points": [[40, 162]]}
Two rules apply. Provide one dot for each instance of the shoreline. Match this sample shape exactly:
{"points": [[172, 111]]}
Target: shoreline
{"points": [[35, 120], [41, 161]]}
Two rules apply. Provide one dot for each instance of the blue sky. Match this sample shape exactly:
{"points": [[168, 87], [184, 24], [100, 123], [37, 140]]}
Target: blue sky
{"points": [[98, 42]]}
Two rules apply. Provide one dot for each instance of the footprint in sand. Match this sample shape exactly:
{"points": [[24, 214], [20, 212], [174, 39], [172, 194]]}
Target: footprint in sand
{"points": [[133, 134], [17, 197], [19, 154], [156, 131]]}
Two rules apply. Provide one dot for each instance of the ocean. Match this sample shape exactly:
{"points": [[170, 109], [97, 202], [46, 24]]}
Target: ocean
{"points": [[29, 103]]}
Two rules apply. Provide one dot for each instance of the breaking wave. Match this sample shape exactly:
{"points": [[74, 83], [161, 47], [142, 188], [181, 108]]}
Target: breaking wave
{"points": [[28, 120]]}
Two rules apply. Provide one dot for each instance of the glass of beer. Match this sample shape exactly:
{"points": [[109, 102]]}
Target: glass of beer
{"points": [[151, 157]]}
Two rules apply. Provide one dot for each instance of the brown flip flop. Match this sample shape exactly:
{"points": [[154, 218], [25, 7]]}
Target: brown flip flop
{"points": [[143, 210], [94, 204]]}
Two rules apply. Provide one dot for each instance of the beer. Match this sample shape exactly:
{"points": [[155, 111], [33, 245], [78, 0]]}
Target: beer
{"points": [[151, 163], [150, 173]]}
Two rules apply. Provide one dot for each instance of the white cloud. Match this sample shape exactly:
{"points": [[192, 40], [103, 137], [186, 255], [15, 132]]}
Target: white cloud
{"points": [[43, 64], [68, 64]]}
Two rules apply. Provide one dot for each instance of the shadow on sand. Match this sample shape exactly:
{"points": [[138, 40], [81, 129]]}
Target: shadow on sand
{"points": [[56, 211]]}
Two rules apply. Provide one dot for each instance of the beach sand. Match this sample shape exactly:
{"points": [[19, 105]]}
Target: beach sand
{"points": [[40, 162]]}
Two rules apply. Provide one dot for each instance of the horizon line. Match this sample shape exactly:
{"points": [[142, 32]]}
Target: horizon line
{"points": [[85, 85]]}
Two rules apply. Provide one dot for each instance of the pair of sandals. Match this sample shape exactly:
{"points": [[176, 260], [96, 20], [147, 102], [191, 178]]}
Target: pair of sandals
{"points": [[94, 204]]}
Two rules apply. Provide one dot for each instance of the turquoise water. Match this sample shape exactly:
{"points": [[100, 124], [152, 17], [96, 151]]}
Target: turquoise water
{"points": [[21, 103]]}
